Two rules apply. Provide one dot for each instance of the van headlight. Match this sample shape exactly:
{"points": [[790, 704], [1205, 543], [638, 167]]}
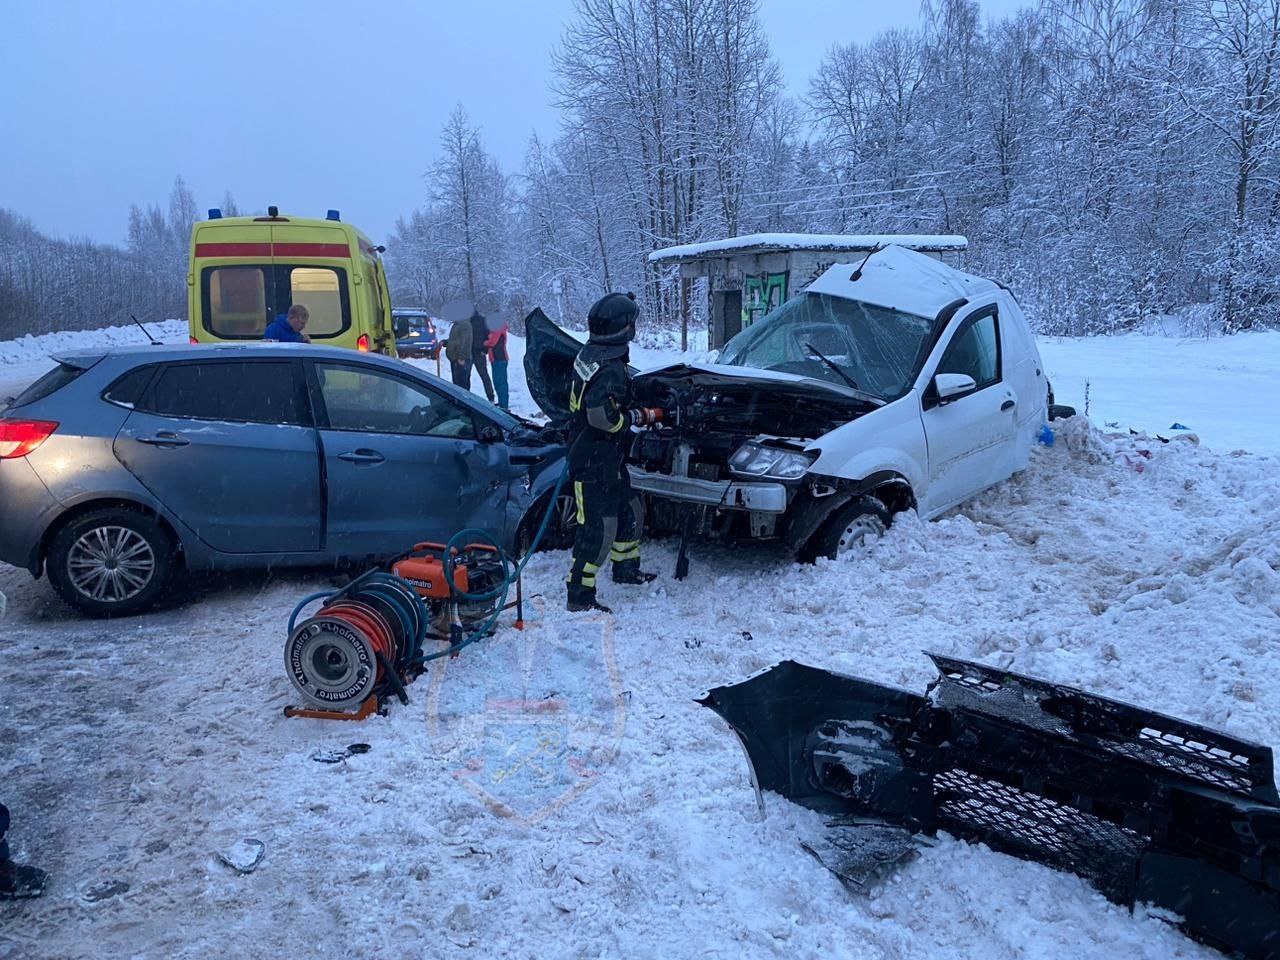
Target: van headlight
{"points": [[756, 460]]}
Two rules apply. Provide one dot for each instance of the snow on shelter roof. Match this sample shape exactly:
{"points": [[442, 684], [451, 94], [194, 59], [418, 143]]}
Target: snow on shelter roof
{"points": [[903, 280], [767, 242]]}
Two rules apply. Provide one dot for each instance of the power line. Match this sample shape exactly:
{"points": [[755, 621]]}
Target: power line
{"points": [[990, 165]]}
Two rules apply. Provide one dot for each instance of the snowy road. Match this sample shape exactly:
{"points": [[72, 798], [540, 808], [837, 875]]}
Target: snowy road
{"points": [[558, 792], [135, 750]]}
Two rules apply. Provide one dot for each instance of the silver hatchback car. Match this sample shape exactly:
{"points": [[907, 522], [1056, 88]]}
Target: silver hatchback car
{"points": [[119, 467]]}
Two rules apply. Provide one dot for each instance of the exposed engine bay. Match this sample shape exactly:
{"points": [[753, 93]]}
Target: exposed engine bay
{"points": [[713, 404], [728, 438], [730, 460]]}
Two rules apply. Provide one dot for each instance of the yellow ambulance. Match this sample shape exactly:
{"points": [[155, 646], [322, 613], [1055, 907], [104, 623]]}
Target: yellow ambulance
{"points": [[246, 271]]}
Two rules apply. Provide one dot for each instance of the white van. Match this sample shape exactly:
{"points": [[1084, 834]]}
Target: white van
{"points": [[896, 383]]}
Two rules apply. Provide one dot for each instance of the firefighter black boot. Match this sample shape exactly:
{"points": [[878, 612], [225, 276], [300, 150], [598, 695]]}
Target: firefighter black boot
{"points": [[18, 881], [628, 571], [584, 598]]}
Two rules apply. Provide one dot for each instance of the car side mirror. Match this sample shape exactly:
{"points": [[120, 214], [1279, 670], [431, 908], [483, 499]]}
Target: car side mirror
{"points": [[490, 434], [953, 385], [401, 327]]}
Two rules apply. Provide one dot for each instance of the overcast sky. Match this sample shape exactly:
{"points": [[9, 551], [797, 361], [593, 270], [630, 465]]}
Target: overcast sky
{"points": [[307, 104]]}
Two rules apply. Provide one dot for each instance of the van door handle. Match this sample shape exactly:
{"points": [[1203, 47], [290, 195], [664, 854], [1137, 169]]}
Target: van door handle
{"points": [[1007, 405], [165, 439], [362, 456], [527, 459]]}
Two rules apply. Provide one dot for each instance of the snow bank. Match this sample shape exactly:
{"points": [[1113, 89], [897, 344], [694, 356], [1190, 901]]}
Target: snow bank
{"points": [[34, 349], [557, 792]]}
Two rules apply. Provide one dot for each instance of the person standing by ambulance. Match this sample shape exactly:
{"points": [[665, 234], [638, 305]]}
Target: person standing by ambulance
{"points": [[610, 515]]}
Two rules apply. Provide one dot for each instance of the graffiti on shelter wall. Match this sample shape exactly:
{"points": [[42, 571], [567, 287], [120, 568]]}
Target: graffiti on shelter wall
{"points": [[762, 293]]}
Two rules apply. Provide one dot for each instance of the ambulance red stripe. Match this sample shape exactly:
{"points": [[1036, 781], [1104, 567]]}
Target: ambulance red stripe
{"points": [[330, 250]]}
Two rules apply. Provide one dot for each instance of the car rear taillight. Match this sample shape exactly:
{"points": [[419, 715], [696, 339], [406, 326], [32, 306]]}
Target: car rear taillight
{"points": [[19, 437], [192, 340], [362, 343]]}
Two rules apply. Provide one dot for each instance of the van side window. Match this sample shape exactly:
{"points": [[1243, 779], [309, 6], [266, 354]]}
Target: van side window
{"points": [[376, 289], [975, 351], [247, 391], [237, 303], [318, 289]]}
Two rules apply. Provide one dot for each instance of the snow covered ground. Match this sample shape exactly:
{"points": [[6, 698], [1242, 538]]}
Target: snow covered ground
{"points": [[557, 792], [1224, 388]]}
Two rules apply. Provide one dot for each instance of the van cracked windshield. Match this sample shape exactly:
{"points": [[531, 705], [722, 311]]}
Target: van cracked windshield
{"points": [[876, 351]]}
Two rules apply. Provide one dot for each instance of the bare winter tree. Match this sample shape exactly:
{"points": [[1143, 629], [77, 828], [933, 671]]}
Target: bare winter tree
{"points": [[664, 99], [471, 204]]}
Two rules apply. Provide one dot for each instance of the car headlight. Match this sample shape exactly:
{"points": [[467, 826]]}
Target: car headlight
{"points": [[756, 460]]}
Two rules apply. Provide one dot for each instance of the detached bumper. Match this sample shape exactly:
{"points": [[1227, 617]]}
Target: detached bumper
{"points": [[726, 494]]}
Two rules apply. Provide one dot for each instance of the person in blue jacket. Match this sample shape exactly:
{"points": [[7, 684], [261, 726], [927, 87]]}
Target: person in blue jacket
{"points": [[287, 328]]}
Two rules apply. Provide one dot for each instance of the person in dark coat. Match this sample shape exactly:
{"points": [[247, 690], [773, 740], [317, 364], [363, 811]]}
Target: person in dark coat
{"points": [[458, 349], [18, 881], [499, 359], [479, 336], [610, 515]]}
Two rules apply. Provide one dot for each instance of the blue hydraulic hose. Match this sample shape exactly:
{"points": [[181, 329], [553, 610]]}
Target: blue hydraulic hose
{"points": [[293, 617]]}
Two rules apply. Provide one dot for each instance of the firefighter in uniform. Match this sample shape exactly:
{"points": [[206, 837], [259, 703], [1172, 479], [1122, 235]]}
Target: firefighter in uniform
{"points": [[610, 515]]}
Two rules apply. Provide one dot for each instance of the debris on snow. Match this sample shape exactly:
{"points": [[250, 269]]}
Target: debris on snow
{"points": [[243, 856]]}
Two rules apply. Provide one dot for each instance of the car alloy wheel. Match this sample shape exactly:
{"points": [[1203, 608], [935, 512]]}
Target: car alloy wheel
{"points": [[111, 564]]}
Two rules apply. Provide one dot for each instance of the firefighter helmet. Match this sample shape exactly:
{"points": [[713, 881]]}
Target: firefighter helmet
{"points": [[612, 319]]}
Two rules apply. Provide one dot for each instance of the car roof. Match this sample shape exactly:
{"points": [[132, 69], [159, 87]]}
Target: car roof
{"points": [[904, 280], [171, 352], [177, 352]]}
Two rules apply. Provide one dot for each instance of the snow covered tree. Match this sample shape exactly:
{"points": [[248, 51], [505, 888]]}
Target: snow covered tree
{"points": [[471, 211]]}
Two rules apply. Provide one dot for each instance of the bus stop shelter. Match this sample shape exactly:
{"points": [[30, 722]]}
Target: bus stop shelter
{"points": [[750, 275]]}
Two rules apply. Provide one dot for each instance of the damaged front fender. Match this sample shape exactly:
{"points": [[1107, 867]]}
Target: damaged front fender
{"points": [[1145, 807]]}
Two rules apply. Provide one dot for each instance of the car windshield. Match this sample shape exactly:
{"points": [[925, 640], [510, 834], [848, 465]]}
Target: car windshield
{"points": [[845, 342]]}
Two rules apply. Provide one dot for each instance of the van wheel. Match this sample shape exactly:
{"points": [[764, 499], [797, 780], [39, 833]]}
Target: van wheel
{"points": [[849, 531], [111, 562]]}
